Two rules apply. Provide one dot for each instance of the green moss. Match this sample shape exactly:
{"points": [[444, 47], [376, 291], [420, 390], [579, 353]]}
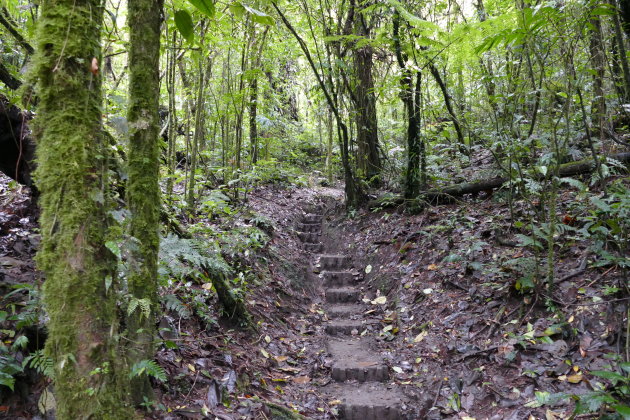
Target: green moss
{"points": [[143, 194], [71, 175]]}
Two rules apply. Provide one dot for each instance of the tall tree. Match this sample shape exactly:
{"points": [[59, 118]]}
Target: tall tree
{"points": [[364, 98], [143, 193], [410, 95], [72, 179]]}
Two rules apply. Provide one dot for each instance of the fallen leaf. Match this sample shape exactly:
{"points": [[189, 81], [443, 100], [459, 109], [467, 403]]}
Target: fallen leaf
{"points": [[432, 267], [381, 300], [397, 369], [264, 353], [301, 379], [420, 336], [368, 269], [575, 379]]}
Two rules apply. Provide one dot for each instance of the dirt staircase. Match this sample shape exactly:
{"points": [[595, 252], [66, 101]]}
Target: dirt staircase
{"points": [[360, 378]]}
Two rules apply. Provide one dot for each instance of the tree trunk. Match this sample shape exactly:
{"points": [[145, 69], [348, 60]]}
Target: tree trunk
{"points": [[368, 157], [598, 107], [621, 55], [17, 149], [200, 112], [253, 126], [72, 179], [143, 191], [410, 96]]}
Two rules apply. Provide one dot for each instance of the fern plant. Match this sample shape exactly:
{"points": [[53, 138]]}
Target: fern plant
{"points": [[39, 361], [149, 368]]}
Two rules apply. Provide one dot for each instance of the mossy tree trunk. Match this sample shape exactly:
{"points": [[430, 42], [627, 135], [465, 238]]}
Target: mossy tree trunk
{"points": [[71, 176], [143, 193]]}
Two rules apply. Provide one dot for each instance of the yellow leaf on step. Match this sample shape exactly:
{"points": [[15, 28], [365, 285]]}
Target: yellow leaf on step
{"points": [[381, 300]]}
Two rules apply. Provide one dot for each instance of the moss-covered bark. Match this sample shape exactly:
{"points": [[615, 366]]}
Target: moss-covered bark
{"points": [[143, 194], [71, 176]]}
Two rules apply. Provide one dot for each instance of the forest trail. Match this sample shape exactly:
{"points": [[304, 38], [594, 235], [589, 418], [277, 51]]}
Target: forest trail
{"points": [[359, 375]]}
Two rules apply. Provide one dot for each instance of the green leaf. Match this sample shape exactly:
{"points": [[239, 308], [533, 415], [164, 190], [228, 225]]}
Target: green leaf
{"points": [[239, 10], [204, 6], [624, 410], [185, 25], [7, 380], [614, 377]]}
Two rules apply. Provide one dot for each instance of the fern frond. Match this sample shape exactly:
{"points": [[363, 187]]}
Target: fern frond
{"points": [[173, 303], [149, 368], [40, 362]]}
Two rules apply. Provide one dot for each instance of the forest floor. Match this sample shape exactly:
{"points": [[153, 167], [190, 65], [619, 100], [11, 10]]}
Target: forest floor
{"points": [[440, 302]]}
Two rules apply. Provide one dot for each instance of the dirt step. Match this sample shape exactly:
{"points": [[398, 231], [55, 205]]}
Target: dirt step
{"points": [[342, 295], [315, 248], [309, 237], [353, 361], [345, 311], [313, 227], [312, 218], [334, 262], [338, 278], [369, 401], [346, 327]]}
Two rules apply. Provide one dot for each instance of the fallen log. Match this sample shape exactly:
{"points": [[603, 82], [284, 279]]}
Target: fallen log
{"points": [[17, 149], [447, 193]]}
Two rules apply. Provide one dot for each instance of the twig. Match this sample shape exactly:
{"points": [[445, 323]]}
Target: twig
{"points": [[601, 276], [192, 387], [437, 394]]}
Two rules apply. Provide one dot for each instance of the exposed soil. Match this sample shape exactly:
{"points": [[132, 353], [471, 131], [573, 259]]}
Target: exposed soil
{"points": [[418, 318]]}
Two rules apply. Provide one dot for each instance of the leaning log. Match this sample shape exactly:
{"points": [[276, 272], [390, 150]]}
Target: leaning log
{"points": [[17, 149], [447, 193]]}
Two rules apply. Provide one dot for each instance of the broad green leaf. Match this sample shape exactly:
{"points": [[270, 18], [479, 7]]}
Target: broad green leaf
{"points": [[204, 6], [624, 410], [185, 25], [239, 10]]}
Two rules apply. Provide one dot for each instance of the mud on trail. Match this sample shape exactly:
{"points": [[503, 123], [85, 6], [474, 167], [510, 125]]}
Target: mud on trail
{"points": [[368, 315]]}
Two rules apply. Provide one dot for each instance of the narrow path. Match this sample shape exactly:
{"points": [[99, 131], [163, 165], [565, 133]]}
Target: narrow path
{"points": [[360, 377]]}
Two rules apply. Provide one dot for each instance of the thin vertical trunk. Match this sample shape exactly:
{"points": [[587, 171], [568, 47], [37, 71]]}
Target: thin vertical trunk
{"points": [[410, 95], [598, 61], [622, 55], [329, 148], [172, 118], [143, 192], [72, 178], [200, 112], [253, 126]]}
